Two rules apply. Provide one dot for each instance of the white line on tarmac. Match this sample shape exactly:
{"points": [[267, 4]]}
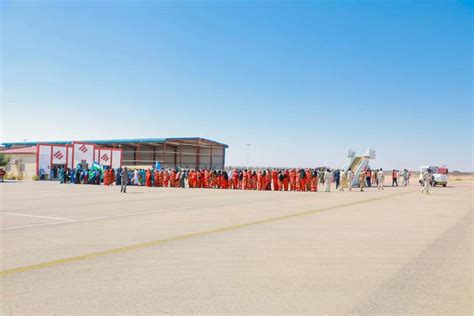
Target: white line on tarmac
{"points": [[38, 216], [66, 221]]}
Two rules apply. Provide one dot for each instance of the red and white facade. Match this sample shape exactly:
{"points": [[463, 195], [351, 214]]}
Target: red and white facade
{"points": [[49, 155]]}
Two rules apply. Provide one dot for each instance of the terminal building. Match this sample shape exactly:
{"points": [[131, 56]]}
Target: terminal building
{"points": [[32, 158]]}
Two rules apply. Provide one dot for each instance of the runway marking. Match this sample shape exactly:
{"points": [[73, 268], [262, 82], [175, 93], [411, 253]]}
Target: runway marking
{"points": [[144, 212], [38, 216], [184, 237]]}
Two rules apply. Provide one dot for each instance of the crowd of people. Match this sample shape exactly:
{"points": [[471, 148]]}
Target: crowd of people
{"points": [[236, 179]]}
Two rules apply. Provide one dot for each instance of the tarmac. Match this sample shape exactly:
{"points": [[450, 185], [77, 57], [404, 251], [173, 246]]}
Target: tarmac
{"points": [[84, 249]]}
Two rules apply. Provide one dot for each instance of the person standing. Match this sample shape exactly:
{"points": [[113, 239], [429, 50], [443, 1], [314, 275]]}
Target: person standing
{"points": [[368, 176], [380, 179], [327, 179], [274, 174], [292, 179], [148, 178], [350, 178], [394, 178], [182, 178], [337, 178], [314, 181], [135, 178], [123, 180], [343, 178], [426, 177]]}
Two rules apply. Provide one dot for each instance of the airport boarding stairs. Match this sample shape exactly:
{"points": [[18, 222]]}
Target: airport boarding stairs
{"points": [[357, 164]]}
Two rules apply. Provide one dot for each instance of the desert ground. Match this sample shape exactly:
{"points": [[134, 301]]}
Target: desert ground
{"points": [[82, 249]]}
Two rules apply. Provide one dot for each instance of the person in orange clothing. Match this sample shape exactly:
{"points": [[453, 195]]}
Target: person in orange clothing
{"points": [[156, 177], [224, 180], [275, 179], [199, 179], [308, 177], [245, 180], [264, 179], [191, 182], [249, 181], [314, 181], [286, 179], [235, 179], [298, 182], [112, 176], [160, 178], [281, 176], [106, 177], [253, 176], [292, 178], [205, 180], [166, 178], [195, 177], [268, 180], [110, 180], [218, 179], [302, 174], [173, 178], [148, 178], [177, 177], [259, 180]]}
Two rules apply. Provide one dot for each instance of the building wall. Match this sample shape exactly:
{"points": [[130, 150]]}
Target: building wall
{"points": [[22, 165], [189, 157]]}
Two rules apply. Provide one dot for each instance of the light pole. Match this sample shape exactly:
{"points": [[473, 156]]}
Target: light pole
{"points": [[248, 153]]}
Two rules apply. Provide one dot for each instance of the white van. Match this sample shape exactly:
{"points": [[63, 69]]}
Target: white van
{"points": [[440, 175]]}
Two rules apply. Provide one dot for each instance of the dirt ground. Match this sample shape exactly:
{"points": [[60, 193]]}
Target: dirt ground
{"points": [[89, 249]]}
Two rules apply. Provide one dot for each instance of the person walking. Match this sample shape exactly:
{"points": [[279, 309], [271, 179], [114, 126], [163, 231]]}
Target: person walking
{"points": [[426, 176], [123, 180], [380, 179], [362, 181]]}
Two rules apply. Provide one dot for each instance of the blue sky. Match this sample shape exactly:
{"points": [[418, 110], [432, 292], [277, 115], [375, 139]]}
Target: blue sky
{"points": [[300, 81]]}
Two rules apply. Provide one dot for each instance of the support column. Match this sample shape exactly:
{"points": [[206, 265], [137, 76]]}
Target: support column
{"points": [[180, 155], [223, 158], [175, 156], [164, 155], [197, 155], [210, 167], [137, 156]]}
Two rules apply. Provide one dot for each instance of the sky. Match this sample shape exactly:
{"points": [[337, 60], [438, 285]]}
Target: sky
{"points": [[301, 81]]}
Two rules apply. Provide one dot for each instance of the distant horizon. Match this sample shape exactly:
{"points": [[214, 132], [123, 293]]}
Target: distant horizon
{"points": [[300, 81]]}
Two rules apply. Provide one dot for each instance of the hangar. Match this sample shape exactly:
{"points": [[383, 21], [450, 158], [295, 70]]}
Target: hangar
{"points": [[185, 152]]}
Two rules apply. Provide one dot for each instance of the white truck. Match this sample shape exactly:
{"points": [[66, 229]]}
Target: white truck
{"points": [[440, 175]]}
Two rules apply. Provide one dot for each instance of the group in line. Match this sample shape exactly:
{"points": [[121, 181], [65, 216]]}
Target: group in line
{"points": [[245, 179], [237, 179]]}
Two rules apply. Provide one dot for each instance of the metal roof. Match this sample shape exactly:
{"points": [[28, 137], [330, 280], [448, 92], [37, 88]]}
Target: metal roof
{"points": [[116, 141], [22, 150]]}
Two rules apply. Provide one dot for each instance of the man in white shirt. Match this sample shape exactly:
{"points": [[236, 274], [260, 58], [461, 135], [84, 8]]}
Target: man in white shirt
{"points": [[327, 179], [380, 179]]}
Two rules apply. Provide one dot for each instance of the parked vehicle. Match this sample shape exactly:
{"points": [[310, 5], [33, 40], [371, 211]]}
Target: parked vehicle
{"points": [[440, 175]]}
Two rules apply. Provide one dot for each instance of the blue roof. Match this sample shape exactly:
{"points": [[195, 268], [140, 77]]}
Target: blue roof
{"points": [[111, 141]]}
